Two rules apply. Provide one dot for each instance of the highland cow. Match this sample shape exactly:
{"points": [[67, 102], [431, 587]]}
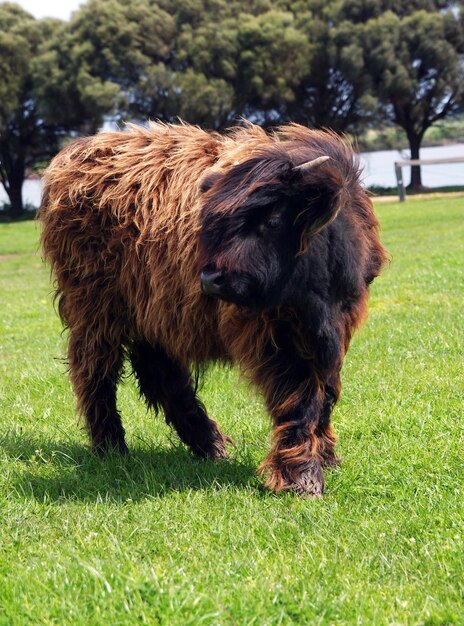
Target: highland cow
{"points": [[176, 247]]}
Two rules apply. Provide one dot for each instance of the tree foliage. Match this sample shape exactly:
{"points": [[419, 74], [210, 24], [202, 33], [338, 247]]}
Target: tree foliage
{"points": [[127, 44], [342, 64], [334, 92], [44, 95]]}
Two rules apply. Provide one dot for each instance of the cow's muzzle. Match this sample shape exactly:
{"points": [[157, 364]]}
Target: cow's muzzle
{"points": [[212, 281]]}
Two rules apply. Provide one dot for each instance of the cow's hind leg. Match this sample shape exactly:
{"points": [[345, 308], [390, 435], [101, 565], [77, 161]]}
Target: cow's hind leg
{"points": [[95, 366], [167, 385]]}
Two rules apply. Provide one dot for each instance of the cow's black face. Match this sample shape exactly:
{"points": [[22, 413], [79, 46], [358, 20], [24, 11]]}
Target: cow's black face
{"points": [[250, 254], [255, 220]]}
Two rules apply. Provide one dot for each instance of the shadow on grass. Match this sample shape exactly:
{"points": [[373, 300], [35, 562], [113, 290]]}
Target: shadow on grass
{"points": [[60, 471]]}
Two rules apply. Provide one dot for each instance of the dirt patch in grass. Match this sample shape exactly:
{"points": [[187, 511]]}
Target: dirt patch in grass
{"points": [[5, 257], [16, 255]]}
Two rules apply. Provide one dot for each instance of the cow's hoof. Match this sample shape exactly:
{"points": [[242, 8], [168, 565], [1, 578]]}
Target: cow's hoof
{"points": [[215, 449], [307, 482], [110, 446], [311, 483]]}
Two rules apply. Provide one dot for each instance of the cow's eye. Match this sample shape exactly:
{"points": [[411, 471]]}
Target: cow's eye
{"points": [[271, 224], [274, 222]]}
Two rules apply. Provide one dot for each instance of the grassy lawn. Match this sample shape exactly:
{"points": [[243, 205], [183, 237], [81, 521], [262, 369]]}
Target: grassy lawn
{"points": [[161, 538]]}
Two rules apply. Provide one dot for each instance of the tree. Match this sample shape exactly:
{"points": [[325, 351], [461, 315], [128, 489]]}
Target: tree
{"points": [[128, 43], [273, 57], [334, 92], [333, 63], [416, 71], [206, 61], [249, 57], [43, 96]]}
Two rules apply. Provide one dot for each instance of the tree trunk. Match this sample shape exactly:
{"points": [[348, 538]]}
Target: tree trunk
{"points": [[15, 196], [416, 175]]}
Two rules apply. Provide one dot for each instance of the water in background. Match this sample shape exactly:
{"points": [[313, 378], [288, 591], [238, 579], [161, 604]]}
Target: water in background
{"points": [[378, 170], [32, 190], [379, 167]]}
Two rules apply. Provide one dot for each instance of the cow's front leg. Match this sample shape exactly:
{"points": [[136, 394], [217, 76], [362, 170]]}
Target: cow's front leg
{"points": [[296, 457]]}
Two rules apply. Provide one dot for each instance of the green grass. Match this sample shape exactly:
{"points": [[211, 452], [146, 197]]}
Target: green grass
{"points": [[161, 538]]}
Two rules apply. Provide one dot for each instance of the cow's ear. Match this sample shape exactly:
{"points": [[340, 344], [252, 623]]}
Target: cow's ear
{"points": [[321, 209]]}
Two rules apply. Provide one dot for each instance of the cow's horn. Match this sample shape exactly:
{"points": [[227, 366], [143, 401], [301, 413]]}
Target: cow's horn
{"points": [[309, 165]]}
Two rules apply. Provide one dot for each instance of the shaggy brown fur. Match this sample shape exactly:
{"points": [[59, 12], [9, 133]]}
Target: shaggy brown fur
{"points": [[123, 215]]}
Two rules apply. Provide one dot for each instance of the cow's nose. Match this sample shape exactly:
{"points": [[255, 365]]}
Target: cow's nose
{"points": [[211, 281]]}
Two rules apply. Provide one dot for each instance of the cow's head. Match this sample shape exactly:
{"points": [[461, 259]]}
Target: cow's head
{"points": [[258, 217]]}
